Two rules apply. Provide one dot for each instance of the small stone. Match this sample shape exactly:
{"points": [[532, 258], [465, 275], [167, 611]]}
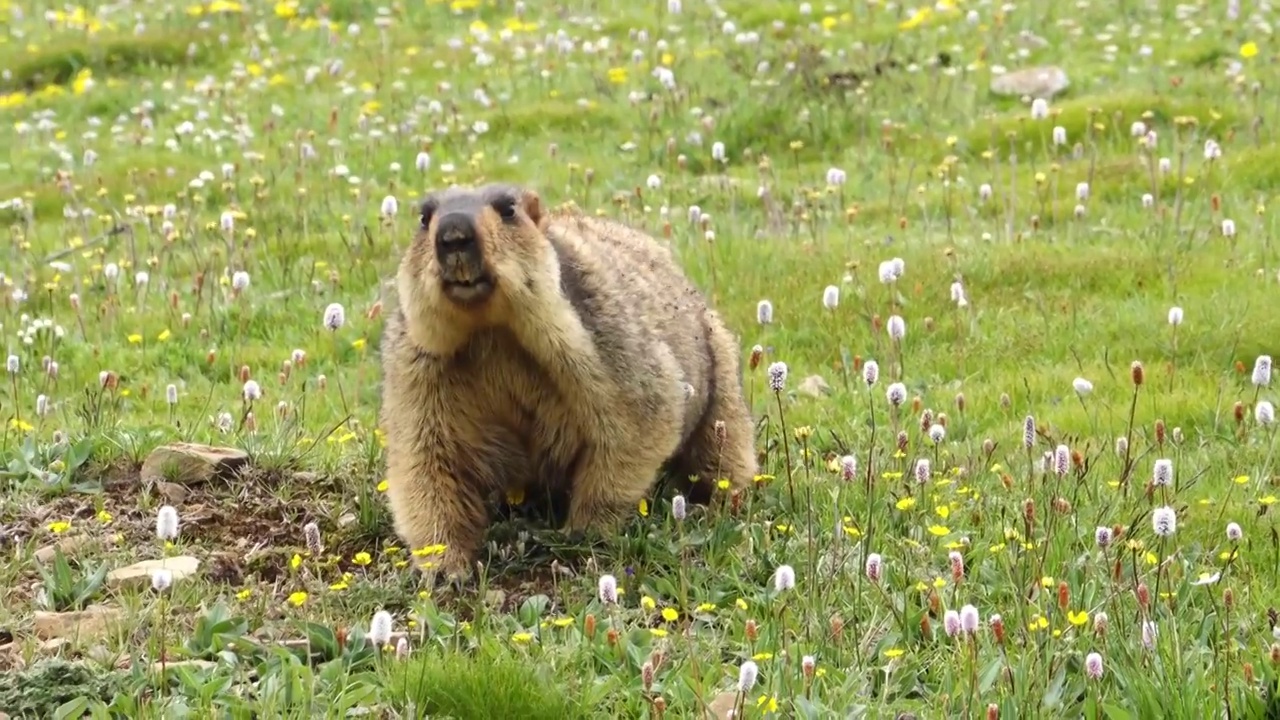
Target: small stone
{"points": [[305, 477], [192, 664], [190, 463], [814, 386], [496, 598], [53, 645], [172, 493], [181, 566], [1037, 82], [347, 520], [68, 545], [721, 708], [94, 621]]}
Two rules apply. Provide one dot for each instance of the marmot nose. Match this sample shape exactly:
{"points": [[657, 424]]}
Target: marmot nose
{"points": [[455, 232]]}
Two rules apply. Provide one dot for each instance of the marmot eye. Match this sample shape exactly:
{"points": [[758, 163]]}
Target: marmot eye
{"points": [[506, 207]]}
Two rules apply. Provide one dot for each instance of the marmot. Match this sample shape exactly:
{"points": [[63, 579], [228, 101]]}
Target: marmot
{"points": [[538, 350]]}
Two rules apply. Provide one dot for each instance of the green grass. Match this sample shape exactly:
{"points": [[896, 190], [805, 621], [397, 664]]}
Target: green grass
{"points": [[254, 128]]}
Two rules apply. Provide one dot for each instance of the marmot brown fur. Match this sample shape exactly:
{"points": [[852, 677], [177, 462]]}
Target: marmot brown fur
{"points": [[531, 350]]}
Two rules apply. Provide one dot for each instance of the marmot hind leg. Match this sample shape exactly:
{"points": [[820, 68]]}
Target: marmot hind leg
{"points": [[723, 446]]}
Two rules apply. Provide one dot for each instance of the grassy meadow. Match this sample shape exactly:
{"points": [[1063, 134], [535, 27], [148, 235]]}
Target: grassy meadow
{"points": [[1010, 359]]}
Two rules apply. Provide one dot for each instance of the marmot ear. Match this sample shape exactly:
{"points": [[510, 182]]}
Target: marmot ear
{"points": [[532, 206], [427, 209]]}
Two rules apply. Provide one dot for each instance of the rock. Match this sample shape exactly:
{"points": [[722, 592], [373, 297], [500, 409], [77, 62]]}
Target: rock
{"points": [[814, 386], [190, 463], [94, 621], [172, 493], [721, 708], [1037, 82], [305, 477], [346, 520], [192, 664], [68, 545], [181, 566], [54, 645]]}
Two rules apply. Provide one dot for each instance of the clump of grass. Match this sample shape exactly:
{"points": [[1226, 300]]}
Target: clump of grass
{"points": [[59, 63], [487, 683]]}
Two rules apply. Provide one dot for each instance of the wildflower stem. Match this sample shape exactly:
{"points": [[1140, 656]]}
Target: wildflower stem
{"points": [[786, 449]]}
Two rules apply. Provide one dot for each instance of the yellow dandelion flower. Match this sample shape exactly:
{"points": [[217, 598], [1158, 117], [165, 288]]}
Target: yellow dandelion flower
{"points": [[768, 703], [563, 622], [134, 339], [892, 653], [296, 561], [1248, 50], [362, 559], [1078, 617], [644, 508], [658, 632], [939, 530], [104, 517], [244, 594], [382, 486], [522, 637], [298, 598], [648, 603], [740, 604], [59, 526], [905, 503], [670, 614], [706, 607]]}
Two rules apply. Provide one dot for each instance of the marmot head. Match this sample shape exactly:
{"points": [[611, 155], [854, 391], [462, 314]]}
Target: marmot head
{"points": [[474, 240]]}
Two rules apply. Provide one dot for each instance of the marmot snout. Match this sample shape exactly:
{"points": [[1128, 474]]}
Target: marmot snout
{"points": [[532, 351]]}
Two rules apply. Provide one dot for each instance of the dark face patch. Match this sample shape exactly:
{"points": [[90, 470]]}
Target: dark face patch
{"points": [[459, 240]]}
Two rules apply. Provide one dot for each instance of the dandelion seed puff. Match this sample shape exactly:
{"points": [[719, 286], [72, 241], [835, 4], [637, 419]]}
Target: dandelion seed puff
{"points": [[718, 152], [1162, 473], [1061, 460], [937, 433], [1228, 228], [831, 297], [1148, 200], [654, 182], [1234, 533], [957, 292], [922, 470], [1175, 316], [42, 405], [969, 619], [390, 206], [252, 391], [111, 272], [335, 316], [764, 312], [679, 508], [875, 567], [380, 628], [984, 193], [227, 221], [1262, 370], [240, 281], [311, 535], [836, 177], [784, 578], [886, 272], [224, 422], [1149, 634], [422, 162], [608, 589], [896, 394], [161, 579], [1039, 109], [1164, 521], [848, 467], [1122, 445], [747, 675], [1212, 150], [1102, 535], [951, 623], [1264, 413], [167, 523], [897, 327], [1082, 387], [1029, 432], [171, 394], [1093, 666], [1059, 135], [1165, 165], [871, 373], [13, 364], [402, 648], [777, 376], [1138, 129]]}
